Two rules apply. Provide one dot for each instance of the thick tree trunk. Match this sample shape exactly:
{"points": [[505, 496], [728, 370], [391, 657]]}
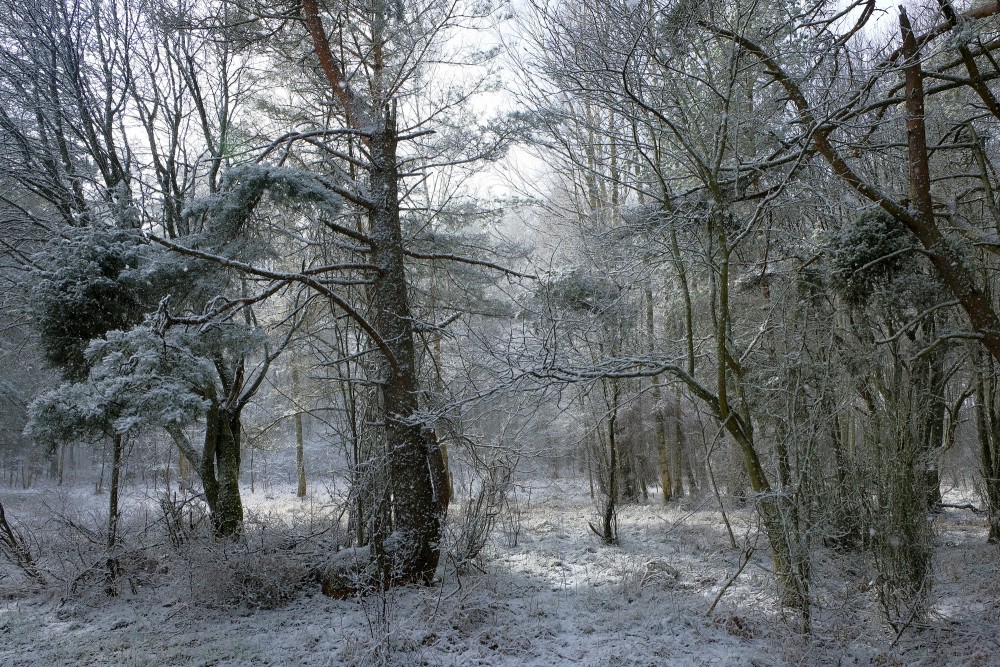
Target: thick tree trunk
{"points": [[220, 471], [409, 548], [413, 548], [229, 513]]}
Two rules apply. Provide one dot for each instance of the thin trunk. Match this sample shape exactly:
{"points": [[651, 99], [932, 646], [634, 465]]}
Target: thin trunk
{"points": [[657, 396], [114, 567], [790, 567], [104, 464], [590, 468], [677, 449], [437, 358], [984, 178], [988, 430], [846, 512], [662, 453], [609, 520], [183, 471], [688, 461], [300, 465], [934, 434]]}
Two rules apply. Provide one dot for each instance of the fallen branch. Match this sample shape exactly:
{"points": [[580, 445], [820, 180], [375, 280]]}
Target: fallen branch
{"points": [[966, 506]]}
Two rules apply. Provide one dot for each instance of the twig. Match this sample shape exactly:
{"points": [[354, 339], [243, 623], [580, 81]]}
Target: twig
{"points": [[913, 614], [747, 553]]}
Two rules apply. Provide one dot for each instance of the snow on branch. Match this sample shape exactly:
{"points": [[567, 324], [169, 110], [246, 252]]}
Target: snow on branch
{"points": [[243, 188], [626, 368], [468, 260], [289, 277]]}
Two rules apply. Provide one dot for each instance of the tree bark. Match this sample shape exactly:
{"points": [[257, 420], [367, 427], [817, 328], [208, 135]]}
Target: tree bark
{"points": [[220, 471], [114, 567], [229, 513], [609, 520], [657, 395], [413, 550], [409, 548], [300, 465], [790, 567], [988, 430]]}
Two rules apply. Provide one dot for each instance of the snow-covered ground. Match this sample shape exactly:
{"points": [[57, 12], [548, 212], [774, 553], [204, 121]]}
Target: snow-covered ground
{"points": [[544, 592]]}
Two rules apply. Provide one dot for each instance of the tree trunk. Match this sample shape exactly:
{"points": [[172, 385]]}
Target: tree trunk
{"points": [[300, 465], [410, 552], [662, 454], [114, 567], [988, 430], [677, 449], [183, 471], [790, 566], [846, 511], [657, 395], [609, 520], [229, 514], [413, 548], [934, 442], [220, 471]]}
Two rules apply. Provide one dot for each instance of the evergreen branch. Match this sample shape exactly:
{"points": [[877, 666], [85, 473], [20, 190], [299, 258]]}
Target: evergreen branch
{"points": [[300, 278], [468, 260]]}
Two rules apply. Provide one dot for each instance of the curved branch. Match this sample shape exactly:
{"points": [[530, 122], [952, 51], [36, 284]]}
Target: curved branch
{"points": [[620, 369], [300, 278], [468, 260], [916, 320], [184, 445]]}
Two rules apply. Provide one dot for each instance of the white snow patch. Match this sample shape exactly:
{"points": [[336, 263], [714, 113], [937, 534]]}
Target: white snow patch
{"points": [[547, 594]]}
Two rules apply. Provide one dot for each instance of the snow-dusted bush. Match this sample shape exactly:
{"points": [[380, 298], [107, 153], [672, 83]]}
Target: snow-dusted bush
{"points": [[265, 570], [484, 506]]}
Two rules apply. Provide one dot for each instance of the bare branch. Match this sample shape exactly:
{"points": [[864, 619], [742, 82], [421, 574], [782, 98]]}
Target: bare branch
{"points": [[467, 260], [290, 277]]}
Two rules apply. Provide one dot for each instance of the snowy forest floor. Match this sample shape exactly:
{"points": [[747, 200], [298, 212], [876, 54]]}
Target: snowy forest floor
{"points": [[544, 592]]}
